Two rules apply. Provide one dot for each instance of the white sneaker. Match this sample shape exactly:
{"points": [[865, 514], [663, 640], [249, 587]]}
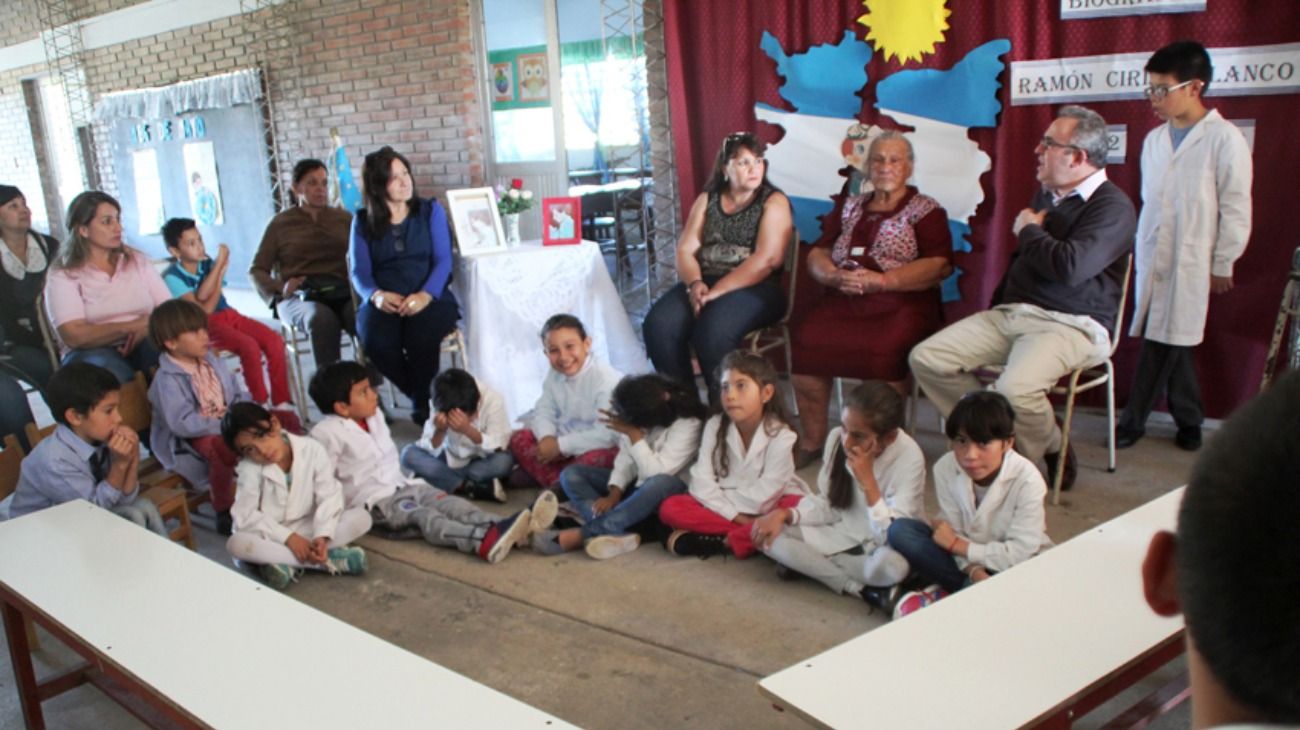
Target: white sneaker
{"points": [[543, 514], [498, 491], [510, 537], [604, 547]]}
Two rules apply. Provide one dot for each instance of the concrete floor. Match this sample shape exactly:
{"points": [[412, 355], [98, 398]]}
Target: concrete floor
{"points": [[643, 641]]}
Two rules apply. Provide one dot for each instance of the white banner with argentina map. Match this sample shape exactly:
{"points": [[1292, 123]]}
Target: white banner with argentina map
{"points": [[1246, 71]]}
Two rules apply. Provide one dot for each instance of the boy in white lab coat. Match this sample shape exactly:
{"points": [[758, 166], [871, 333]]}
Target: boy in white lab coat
{"points": [[288, 513], [1190, 234], [356, 437]]}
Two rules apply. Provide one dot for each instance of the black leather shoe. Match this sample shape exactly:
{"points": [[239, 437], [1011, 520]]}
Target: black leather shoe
{"points": [[1125, 438], [1188, 438], [1071, 468]]}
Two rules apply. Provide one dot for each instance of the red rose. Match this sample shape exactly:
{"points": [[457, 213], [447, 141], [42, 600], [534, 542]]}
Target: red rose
{"points": [[517, 184]]}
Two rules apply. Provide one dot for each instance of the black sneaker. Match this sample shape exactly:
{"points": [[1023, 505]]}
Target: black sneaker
{"points": [[882, 598], [786, 573], [225, 525], [683, 543], [1125, 438], [1188, 438], [483, 491]]}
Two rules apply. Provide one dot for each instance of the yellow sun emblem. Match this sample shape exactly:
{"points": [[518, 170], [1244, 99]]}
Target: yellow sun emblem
{"points": [[905, 29]]}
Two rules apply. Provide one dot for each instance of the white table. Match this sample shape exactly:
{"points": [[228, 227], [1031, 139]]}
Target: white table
{"points": [[1039, 644], [197, 645], [507, 296]]}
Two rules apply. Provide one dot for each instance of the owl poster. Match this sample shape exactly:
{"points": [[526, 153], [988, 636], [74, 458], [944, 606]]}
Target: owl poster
{"points": [[534, 86], [503, 82]]}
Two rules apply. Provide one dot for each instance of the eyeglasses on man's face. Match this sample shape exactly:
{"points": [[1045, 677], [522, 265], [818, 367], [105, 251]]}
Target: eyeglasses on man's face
{"points": [[1157, 92], [1047, 143]]}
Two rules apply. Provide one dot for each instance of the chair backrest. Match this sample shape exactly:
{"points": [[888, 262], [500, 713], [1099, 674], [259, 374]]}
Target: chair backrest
{"points": [[11, 465], [1118, 330], [48, 335], [137, 414], [36, 434], [792, 273]]}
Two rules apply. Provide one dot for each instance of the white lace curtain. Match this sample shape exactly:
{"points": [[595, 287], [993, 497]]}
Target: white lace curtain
{"points": [[214, 92]]}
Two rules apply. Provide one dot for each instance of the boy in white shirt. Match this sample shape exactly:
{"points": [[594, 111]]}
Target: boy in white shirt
{"points": [[366, 464], [288, 513], [463, 448]]}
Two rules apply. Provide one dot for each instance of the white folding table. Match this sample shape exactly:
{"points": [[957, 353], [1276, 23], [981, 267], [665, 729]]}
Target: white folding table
{"points": [[1038, 645], [183, 642]]}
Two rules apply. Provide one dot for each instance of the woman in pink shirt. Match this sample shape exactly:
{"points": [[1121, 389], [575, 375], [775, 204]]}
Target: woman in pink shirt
{"points": [[99, 293]]}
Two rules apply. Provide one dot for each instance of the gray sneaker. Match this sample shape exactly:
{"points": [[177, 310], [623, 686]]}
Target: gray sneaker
{"points": [[604, 547], [347, 560], [547, 542], [543, 510]]}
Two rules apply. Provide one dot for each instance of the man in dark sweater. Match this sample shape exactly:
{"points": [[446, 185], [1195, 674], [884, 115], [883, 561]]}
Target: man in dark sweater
{"points": [[1057, 305]]}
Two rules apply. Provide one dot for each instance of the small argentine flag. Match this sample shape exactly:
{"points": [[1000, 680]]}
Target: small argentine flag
{"points": [[343, 187]]}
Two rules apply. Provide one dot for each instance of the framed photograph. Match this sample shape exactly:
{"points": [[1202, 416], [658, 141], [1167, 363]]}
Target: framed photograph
{"points": [[475, 219], [503, 82], [534, 86], [561, 221]]}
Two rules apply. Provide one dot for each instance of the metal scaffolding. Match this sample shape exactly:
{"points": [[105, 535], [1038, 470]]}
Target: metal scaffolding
{"points": [[61, 37], [638, 25], [268, 26]]}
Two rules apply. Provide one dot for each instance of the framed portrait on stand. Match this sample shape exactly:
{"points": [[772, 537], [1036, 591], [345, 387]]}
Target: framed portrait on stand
{"points": [[561, 221], [476, 221]]}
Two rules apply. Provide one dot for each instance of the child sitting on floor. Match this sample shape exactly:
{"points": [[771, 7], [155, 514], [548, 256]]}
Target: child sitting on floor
{"points": [[872, 474], [90, 455], [190, 393], [564, 427], [658, 421], [991, 513], [745, 468], [196, 277], [462, 450], [288, 512], [356, 438]]}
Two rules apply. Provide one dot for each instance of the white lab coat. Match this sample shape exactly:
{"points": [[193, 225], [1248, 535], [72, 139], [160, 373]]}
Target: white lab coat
{"points": [[491, 421], [266, 505], [365, 463], [1010, 524], [900, 474], [756, 479], [569, 408], [669, 450], [1195, 222]]}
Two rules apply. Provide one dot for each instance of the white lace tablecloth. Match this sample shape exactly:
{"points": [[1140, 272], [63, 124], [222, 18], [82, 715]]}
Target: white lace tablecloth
{"points": [[506, 297]]}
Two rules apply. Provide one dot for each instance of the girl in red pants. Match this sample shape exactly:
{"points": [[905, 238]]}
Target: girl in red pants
{"points": [[745, 468]]}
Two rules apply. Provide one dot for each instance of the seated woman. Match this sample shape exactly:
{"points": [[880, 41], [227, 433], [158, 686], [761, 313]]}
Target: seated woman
{"points": [[879, 262], [100, 291], [401, 268], [301, 267], [26, 257], [729, 260]]}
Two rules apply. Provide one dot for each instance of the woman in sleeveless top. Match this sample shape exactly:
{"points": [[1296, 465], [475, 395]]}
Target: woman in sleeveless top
{"points": [[401, 270], [729, 261], [879, 262]]}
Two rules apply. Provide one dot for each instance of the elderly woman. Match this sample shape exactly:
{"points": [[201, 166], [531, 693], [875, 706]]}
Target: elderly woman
{"points": [[879, 262], [729, 261], [26, 257], [301, 267], [99, 293], [401, 268]]}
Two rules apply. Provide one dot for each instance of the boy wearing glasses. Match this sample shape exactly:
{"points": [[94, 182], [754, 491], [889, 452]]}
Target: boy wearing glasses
{"points": [[1196, 176]]}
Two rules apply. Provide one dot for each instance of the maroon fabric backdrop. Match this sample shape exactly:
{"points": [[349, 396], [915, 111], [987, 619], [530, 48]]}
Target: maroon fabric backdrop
{"points": [[717, 73]]}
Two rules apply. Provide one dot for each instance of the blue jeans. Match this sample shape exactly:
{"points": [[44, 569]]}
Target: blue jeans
{"points": [[434, 469], [912, 539], [672, 330], [142, 358], [586, 484], [15, 414]]}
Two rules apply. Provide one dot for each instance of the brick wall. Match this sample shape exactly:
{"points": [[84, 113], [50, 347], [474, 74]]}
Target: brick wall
{"points": [[381, 72]]}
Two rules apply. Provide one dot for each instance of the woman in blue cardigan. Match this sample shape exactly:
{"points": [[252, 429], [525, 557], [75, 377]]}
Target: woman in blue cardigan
{"points": [[401, 266]]}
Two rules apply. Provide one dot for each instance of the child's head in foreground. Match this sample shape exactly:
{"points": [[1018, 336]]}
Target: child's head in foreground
{"points": [[566, 344], [344, 389], [981, 430], [84, 398]]}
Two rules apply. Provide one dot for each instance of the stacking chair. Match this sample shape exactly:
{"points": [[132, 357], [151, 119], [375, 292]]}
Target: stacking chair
{"points": [[776, 335]]}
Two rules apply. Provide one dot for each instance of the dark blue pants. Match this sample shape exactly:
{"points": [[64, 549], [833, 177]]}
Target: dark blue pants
{"points": [[672, 331], [407, 349], [143, 358], [912, 539]]}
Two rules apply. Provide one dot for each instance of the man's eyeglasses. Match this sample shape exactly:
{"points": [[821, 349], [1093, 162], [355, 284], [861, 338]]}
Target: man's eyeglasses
{"points": [[1048, 143], [1160, 91]]}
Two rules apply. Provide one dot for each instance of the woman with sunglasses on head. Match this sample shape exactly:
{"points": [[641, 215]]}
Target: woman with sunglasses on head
{"points": [[401, 269], [729, 261]]}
